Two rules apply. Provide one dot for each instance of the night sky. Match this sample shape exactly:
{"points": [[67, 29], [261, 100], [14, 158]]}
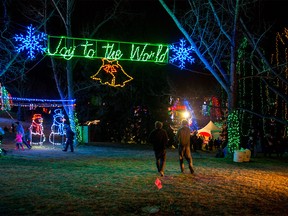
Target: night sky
{"points": [[140, 21], [145, 21]]}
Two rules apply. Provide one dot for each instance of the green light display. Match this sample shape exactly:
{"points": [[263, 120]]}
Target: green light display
{"points": [[233, 131], [68, 47]]}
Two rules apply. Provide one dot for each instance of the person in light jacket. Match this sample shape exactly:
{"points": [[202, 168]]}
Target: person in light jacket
{"points": [[183, 139]]}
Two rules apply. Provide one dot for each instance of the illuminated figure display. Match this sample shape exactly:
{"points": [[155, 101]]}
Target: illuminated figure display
{"points": [[216, 111], [56, 136], [212, 109], [38, 136], [204, 109], [111, 73], [191, 117], [181, 109]]}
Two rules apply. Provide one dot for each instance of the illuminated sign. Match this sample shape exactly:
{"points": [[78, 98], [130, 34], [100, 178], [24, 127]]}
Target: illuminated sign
{"points": [[34, 42], [68, 47]]}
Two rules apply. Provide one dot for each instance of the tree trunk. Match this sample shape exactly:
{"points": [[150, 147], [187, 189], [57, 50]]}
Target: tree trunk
{"points": [[69, 68]]}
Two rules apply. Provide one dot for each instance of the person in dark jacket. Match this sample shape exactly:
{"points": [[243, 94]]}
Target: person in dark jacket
{"points": [[69, 139], [159, 139], [183, 139]]}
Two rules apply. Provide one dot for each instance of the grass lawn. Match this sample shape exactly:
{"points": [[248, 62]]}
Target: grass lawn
{"points": [[118, 180]]}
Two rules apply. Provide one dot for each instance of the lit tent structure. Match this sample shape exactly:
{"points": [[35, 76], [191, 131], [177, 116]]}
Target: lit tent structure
{"points": [[210, 130]]}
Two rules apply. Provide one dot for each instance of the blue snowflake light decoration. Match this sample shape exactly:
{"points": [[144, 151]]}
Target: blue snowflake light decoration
{"points": [[32, 42], [181, 54]]}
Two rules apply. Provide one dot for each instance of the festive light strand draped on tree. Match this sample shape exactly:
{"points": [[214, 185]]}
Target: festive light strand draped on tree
{"points": [[5, 99], [233, 131], [281, 54]]}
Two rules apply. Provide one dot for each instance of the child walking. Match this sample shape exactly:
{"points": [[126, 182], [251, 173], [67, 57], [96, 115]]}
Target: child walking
{"points": [[18, 140]]}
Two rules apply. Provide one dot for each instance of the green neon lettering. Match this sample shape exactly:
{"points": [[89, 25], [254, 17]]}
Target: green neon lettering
{"points": [[161, 58], [67, 53], [147, 56], [110, 53], [90, 53], [64, 51], [89, 48], [136, 52], [57, 48], [142, 53]]}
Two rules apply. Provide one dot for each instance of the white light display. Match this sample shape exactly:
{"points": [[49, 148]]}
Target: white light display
{"points": [[56, 136]]}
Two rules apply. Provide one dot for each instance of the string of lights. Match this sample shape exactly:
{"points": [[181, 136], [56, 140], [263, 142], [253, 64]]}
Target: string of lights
{"points": [[281, 53], [43, 100], [33, 103]]}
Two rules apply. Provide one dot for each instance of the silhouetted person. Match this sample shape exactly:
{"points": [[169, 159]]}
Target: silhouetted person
{"points": [[193, 140], [183, 139], [69, 139], [159, 139]]}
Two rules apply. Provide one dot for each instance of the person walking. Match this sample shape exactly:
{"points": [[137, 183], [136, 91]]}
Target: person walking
{"points": [[69, 139], [28, 136], [18, 140], [159, 139], [183, 139], [20, 129]]}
